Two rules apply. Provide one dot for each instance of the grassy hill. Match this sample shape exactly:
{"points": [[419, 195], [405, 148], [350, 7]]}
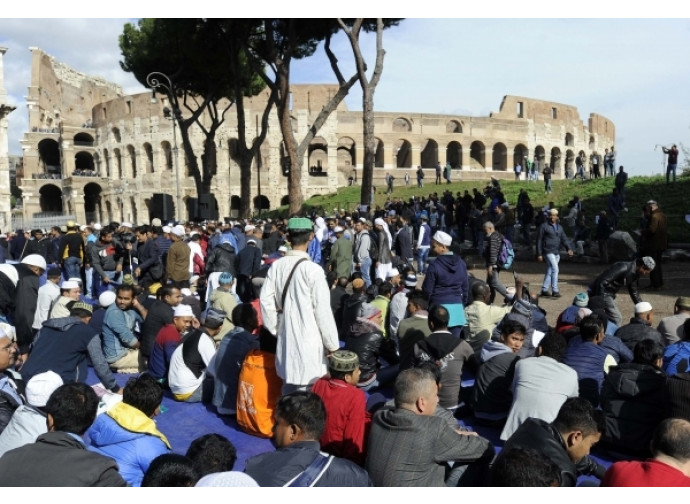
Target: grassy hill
{"points": [[674, 200]]}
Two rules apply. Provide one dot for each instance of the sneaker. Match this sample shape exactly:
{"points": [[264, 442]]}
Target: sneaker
{"points": [[544, 293], [556, 295]]}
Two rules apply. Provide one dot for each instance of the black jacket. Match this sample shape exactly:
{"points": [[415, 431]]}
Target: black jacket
{"points": [[57, 459], [637, 330], [616, 276], [221, 258], [633, 400], [542, 436], [26, 299], [366, 342]]}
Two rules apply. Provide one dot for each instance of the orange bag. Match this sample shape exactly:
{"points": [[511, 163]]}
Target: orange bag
{"points": [[258, 392]]}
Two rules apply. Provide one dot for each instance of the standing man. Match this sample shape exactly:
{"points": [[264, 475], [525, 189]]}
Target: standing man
{"points": [[621, 180], [149, 266], [423, 243], [438, 173], [26, 298], [655, 242], [361, 247], [295, 307], [518, 171], [672, 162], [104, 261], [72, 251], [448, 172], [340, 260], [548, 188], [179, 257], [550, 238], [248, 261], [47, 295], [420, 177]]}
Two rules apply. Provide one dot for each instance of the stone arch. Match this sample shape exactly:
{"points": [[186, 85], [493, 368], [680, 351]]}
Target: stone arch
{"points": [[83, 140], [50, 198], [116, 134], [453, 126], [83, 161], [261, 203], [539, 157], [402, 151], [401, 124], [346, 153], [49, 157], [477, 155], [520, 155], [500, 157], [132, 159], [92, 202], [118, 162], [555, 160], [569, 163], [318, 156], [235, 203], [454, 154], [429, 157], [166, 149], [569, 140], [285, 200], [378, 158], [148, 150]]}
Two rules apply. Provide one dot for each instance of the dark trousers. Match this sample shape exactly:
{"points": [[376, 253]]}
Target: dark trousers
{"points": [[657, 275]]}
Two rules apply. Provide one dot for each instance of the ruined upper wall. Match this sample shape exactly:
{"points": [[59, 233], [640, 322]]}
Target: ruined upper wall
{"points": [[60, 94], [540, 111]]}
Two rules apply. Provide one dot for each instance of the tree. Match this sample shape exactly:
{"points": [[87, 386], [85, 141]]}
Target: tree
{"points": [[276, 43], [187, 51], [353, 29]]}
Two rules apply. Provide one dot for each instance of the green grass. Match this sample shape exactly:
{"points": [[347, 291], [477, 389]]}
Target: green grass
{"points": [[674, 200]]}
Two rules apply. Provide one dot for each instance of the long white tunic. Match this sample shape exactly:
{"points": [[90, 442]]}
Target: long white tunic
{"points": [[306, 328]]}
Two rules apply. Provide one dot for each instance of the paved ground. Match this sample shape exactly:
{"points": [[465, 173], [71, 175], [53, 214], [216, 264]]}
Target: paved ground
{"points": [[574, 277]]}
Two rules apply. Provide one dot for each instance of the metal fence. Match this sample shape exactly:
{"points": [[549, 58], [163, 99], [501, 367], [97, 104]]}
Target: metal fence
{"points": [[43, 220]]}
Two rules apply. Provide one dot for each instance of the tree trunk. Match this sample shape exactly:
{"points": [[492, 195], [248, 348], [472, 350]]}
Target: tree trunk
{"points": [[209, 160], [191, 159], [369, 144]]}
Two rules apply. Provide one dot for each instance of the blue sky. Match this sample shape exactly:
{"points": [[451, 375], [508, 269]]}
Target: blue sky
{"points": [[633, 71]]}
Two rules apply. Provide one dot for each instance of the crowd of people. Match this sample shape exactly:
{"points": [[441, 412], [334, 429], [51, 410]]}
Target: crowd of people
{"points": [[300, 328]]}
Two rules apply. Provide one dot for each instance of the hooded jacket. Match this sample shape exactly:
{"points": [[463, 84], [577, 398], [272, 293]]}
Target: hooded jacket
{"points": [[128, 436], [446, 280], [222, 257], [493, 394], [633, 399]]}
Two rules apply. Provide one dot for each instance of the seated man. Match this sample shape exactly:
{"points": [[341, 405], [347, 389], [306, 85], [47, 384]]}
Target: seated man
{"points": [[11, 382], [671, 327], [29, 420], [409, 446], [524, 467], [231, 353], [448, 351], [492, 395], [120, 343], [191, 358], [300, 419], [211, 454], [591, 361], [65, 346], [482, 316], [69, 291], [127, 432], [59, 457], [677, 355], [347, 418], [633, 399], [167, 340], [566, 442], [568, 317], [640, 327], [541, 384], [669, 465]]}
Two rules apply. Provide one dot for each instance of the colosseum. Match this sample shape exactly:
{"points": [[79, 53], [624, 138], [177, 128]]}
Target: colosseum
{"points": [[93, 153]]}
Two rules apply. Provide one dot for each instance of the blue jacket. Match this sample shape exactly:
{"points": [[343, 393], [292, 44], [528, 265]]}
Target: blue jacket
{"points": [[587, 359], [446, 280], [677, 358], [118, 332], [128, 436]]}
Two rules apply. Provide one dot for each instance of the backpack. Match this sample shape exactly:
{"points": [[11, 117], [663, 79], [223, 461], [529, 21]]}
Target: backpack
{"points": [[373, 248], [506, 255]]}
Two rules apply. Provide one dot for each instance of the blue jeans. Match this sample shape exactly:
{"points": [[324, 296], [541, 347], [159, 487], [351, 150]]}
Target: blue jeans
{"points": [[551, 277], [72, 265], [365, 269], [547, 186], [422, 256], [671, 169]]}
